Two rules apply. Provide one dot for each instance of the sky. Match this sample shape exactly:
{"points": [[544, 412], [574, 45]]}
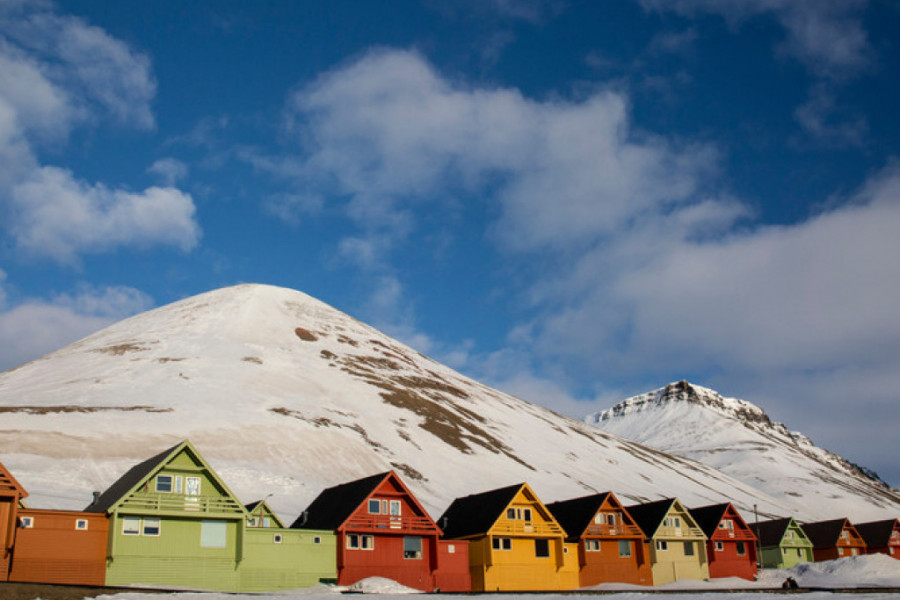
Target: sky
{"points": [[572, 201]]}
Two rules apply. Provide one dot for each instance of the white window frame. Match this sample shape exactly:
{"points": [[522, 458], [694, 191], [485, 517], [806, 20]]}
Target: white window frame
{"points": [[662, 545], [720, 546], [277, 538], [135, 528], [374, 507], [624, 544], [592, 545], [451, 548], [26, 522], [81, 524], [527, 515], [541, 541], [148, 524], [412, 554], [689, 545], [396, 508], [741, 548], [159, 483]]}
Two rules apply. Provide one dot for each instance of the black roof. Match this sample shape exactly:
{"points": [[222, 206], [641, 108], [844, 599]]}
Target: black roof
{"points": [[476, 514], [708, 517], [649, 515], [770, 533], [824, 534], [576, 514], [335, 505], [127, 481], [876, 533]]}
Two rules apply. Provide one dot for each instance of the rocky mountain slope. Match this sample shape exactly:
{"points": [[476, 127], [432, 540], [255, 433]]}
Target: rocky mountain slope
{"points": [[285, 395], [738, 438]]}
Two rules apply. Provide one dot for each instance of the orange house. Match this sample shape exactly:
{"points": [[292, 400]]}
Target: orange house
{"points": [[611, 547], [836, 538], [60, 546], [881, 537], [11, 495]]}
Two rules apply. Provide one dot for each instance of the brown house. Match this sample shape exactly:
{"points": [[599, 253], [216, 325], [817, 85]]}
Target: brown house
{"points": [[881, 537], [611, 547], [11, 495], [60, 546], [832, 539]]}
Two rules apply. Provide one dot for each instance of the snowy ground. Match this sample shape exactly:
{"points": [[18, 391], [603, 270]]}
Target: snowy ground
{"points": [[877, 571]]}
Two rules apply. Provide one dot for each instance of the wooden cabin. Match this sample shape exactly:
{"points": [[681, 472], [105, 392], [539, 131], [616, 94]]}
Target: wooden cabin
{"points": [[515, 543], [677, 544], [881, 537], [382, 530], [782, 543], [11, 495], [173, 523], [730, 544], [832, 539], [611, 547], [60, 547]]}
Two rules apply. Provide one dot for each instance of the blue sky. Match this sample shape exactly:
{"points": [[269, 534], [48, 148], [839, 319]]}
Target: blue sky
{"points": [[572, 201]]}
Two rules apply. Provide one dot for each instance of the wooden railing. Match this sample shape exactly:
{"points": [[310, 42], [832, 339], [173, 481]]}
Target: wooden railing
{"points": [[169, 503], [511, 527], [606, 530], [387, 523]]}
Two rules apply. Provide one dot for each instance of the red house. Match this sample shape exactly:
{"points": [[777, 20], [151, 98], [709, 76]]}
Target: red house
{"points": [[383, 531], [11, 495], [836, 538], [881, 537], [611, 547], [731, 546]]}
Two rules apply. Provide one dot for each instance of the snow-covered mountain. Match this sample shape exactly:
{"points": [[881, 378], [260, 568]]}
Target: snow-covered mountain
{"points": [[285, 395], [738, 438]]}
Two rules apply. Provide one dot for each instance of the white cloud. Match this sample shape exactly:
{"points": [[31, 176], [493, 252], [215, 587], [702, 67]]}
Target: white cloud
{"points": [[57, 216], [57, 73], [826, 35], [170, 170], [34, 327]]}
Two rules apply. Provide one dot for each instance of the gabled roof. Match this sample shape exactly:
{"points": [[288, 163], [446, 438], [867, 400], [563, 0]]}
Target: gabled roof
{"points": [[649, 516], [335, 505], [261, 508], [9, 486], [877, 533], [770, 533], [824, 534], [576, 515], [141, 473], [477, 513], [709, 517]]}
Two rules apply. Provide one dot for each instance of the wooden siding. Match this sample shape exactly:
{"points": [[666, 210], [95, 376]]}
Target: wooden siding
{"points": [[608, 565], [452, 574], [53, 550], [294, 559], [731, 534]]}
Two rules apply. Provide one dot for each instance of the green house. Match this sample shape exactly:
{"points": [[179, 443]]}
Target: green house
{"points": [[173, 523], [782, 543]]}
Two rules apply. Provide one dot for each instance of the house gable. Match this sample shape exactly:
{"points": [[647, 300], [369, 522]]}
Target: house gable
{"points": [[10, 487], [260, 514], [525, 514], [833, 533], [880, 534], [597, 515], [665, 519], [721, 522]]}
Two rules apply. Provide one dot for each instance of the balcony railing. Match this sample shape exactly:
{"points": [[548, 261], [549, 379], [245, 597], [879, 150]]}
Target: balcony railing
{"points": [[392, 524], [606, 530], [176, 503], [511, 527]]}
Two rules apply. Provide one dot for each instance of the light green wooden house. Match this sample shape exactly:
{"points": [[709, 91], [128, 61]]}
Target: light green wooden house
{"points": [[783, 543], [175, 524]]}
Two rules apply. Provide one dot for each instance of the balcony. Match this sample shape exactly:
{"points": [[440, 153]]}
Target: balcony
{"points": [[390, 524], [180, 504], [617, 531], [514, 527]]}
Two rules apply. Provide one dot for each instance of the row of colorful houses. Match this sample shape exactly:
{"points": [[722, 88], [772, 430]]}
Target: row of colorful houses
{"points": [[171, 522]]}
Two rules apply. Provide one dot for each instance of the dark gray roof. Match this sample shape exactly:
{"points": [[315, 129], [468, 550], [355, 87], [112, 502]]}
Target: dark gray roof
{"points": [[708, 517], [824, 534], [649, 515], [576, 514], [475, 514], [876, 534], [335, 505], [127, 481]]}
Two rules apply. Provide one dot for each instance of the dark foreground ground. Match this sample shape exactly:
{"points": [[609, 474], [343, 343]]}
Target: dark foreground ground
{"points": [[33, 591]]}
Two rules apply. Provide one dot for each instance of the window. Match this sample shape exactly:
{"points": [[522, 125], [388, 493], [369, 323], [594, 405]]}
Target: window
{"points": [[150, 527], [164, 484], [277, 538], [213, 534], [81, 524], [789, 535], [131, 526], [741, 548], [542, 548], [356, 541], [599, 519], [412, 547], [592, 545], [624, 548], [784, 551], [662, 545], [611, 519], [507, 543], [499, 543], [317, 540], [799, 552], [510, 513], [26, 522], [689, 548], [672, 522], [719, 546], [395, 508], [374, 507], [451, 549], [192, 486], [526, 514]]}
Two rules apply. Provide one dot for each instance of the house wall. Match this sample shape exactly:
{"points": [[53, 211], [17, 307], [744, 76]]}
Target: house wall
{"points": [[7, 533], [54, 551], [175, 558], [785, 556], [452, 574], [518, 569], [728, 563], [607, 566], [385, 559], [301, 559]]}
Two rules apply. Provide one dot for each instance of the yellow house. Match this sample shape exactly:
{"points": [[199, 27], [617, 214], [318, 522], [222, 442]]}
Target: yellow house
{"points": [[515, 544], [677, 544]]}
